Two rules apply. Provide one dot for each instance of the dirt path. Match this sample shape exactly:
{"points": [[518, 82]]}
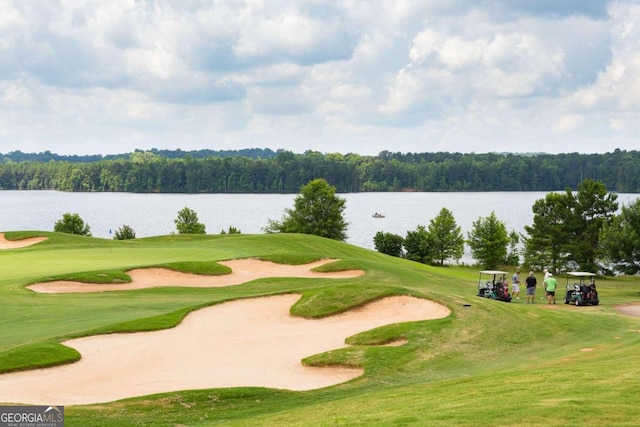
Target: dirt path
{"points": [[629, 309]]}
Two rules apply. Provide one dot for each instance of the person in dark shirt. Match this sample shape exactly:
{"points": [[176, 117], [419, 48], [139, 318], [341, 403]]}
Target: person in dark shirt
{"points": [[531, 288]]}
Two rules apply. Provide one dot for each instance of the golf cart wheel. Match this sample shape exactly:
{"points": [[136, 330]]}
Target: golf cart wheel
{"points": [[577, 302], [595, 303], [566, 301]]}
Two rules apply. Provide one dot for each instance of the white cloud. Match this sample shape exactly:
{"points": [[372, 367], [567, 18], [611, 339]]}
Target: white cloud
{"points": [[279, 101], [617, 124], [615, 94], [568, 123], [269, 31], [17, 95], [446, 69], [347, 92], [281, 34], [371, 47], [402, 75], [8, 18]]}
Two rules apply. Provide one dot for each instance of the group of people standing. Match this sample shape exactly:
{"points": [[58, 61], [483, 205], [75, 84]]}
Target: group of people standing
{"points": [[550, 283]]}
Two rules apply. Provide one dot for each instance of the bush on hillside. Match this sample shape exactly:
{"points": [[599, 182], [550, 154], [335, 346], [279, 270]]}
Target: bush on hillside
{"points": [[124, 233], [72, 224]]}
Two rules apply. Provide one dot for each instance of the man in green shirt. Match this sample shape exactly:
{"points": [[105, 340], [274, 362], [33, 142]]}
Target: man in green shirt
{"points": [[550, 284]]}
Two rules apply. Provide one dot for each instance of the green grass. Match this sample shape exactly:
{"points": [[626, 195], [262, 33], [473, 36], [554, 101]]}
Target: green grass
{"points": [[487, 364]]}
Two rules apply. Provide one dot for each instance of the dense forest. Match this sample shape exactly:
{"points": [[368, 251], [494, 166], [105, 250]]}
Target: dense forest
{"points": [[46, 156], [266, 171]]}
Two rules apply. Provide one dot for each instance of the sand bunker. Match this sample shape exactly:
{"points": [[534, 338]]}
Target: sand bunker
{"points": [[15, 244], [250, 342], [242, 271]]}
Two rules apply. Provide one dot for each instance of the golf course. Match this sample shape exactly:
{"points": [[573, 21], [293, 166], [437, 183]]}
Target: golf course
{"points": [[299, 330]]}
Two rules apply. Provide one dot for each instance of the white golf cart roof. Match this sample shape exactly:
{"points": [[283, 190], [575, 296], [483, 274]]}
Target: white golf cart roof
{"points": [[493, 272], [580, 273]]}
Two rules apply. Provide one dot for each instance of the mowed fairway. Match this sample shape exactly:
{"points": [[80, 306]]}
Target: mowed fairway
{"points": [[486, 363]]}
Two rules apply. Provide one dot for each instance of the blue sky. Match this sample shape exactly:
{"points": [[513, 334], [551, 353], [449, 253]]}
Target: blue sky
{"points": [[102, 77]]}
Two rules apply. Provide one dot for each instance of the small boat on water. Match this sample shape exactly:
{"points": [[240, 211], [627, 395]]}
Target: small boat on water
{"points": [[377, 215]]}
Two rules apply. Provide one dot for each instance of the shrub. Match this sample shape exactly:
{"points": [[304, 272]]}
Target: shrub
{"points": [[124, 233], [72, 224], [187, 222]]}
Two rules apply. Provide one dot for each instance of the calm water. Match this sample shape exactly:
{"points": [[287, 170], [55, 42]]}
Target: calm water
{"points": [[153, 214]]}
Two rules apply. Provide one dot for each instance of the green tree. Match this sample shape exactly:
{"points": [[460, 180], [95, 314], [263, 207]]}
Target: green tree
{"points": [[566, 227], [620, 239], [124, 233], [317, 210], [187, 222], [231, 230], [388, 243], [418, 245], [513, 257], [445, 238], [548, 237], [488, 240], [72, 224], [593, 207]]}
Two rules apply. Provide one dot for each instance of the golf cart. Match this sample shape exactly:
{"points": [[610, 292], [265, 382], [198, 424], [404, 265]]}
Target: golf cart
{"points": [[495, 286], [583, 291]]}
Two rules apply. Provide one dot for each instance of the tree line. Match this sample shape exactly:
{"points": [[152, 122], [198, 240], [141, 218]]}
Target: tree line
{"points": [[47, 156], [571, 230], [265, 171]]}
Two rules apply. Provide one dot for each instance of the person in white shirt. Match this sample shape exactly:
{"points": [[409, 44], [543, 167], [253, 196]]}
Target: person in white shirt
{"points": [[515, 285]]}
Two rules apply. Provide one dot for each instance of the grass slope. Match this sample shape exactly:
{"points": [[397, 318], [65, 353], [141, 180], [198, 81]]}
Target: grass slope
{"points": [[489, 363]]}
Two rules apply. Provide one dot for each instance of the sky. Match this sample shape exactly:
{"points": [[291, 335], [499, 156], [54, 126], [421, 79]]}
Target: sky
{"points": [[470, 76]]}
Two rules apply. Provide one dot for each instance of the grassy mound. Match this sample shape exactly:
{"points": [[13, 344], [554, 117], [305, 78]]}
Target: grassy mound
{"points": [[489, 363]]}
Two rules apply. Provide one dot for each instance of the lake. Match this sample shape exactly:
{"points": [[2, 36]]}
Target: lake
{"points": [[154, 214]]}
